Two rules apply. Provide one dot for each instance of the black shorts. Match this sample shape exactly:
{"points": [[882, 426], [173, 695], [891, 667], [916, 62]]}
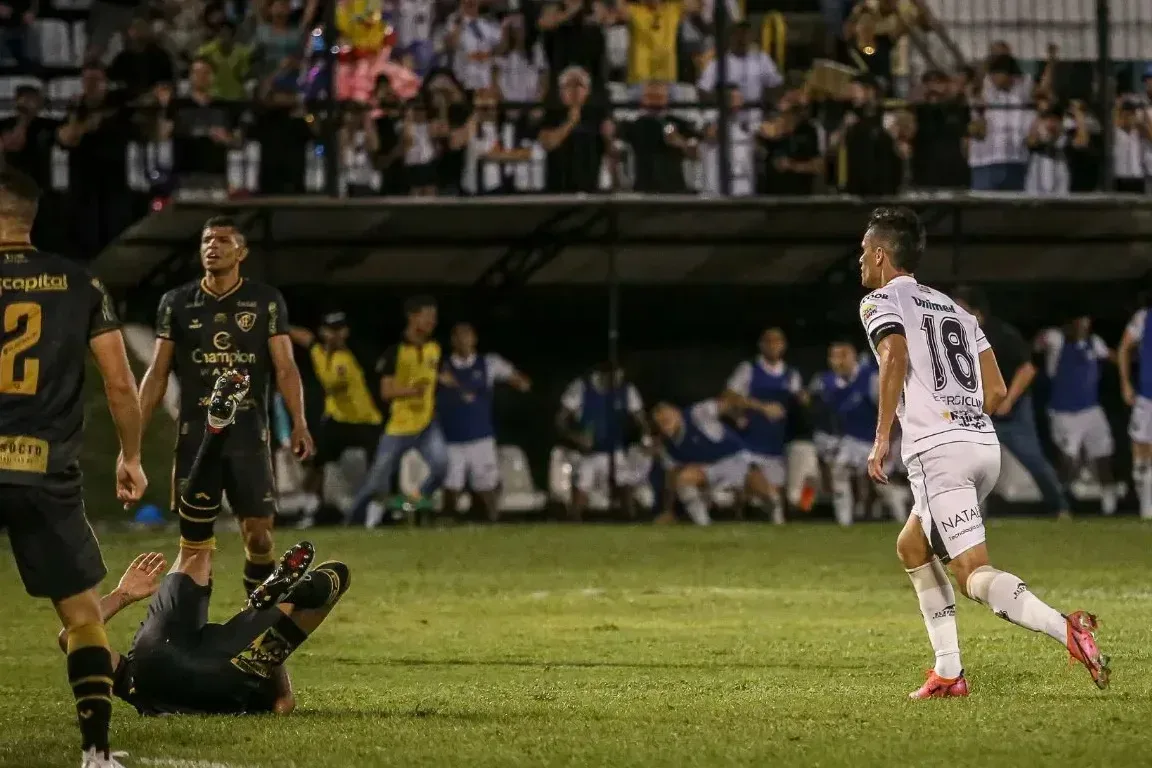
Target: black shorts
{"points": [[247, 476], [182, 663], [55, 549], [335, 437]]}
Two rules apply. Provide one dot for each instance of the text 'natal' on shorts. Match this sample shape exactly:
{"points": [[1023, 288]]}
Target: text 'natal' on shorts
{"points": [[949, 484]]}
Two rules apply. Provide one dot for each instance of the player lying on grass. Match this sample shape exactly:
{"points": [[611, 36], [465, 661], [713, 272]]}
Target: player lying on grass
{"points": [[181, 664]]}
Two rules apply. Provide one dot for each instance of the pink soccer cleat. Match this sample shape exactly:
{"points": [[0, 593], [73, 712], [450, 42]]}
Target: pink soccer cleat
{"points": [[1082, 645], [936, 687]]}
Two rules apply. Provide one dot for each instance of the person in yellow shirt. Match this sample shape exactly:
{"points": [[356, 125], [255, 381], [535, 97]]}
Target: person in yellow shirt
{"points": [[231, 64], [653, 26], [409, 373], [351, 417]]}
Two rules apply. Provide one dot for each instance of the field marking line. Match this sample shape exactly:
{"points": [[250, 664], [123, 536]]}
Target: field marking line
{"points": [[169, 762]]}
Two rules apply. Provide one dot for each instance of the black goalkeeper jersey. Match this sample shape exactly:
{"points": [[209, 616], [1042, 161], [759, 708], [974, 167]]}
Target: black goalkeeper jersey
{"points": [[50, 308], [214, 333]]}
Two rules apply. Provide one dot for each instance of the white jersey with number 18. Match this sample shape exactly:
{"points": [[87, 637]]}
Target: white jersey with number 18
{"points": [[943, 397]]}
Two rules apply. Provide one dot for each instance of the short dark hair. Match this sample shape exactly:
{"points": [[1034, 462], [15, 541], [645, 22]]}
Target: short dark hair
{"points": [[19, 195], [418, 303], [903, 235], [973, 296], [221, 222]]}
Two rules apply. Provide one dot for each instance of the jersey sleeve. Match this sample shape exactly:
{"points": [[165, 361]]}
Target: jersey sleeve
{"points": [[982, 342], [277, 314], [795, 383], [386, 365], [1099, 347], [102, 312], [880, 316], [573, 397], [1135, 328], [499, 369], [166, 327], [741, 379]]}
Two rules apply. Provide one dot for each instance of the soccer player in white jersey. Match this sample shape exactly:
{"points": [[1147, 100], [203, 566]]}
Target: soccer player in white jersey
{"points": [[938, 375]]}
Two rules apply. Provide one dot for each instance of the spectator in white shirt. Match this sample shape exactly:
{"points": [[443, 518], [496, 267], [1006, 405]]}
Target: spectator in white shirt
{"points": [[521, 74], [742, 133], [1129, 148], [467, 42], [1001, 120], [488, 144], [1048, 172], [749, 68], [421, 152]]}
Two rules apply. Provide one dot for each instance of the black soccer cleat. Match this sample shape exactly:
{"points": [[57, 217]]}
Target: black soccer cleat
{"points": [[227, 394], [288, 572]]}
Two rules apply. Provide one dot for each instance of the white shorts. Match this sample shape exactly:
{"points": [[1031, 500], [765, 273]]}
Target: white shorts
{"points": [[773, 468], [592, 472], [844, 451], [1082, 433], [949, 483], [473, 464], [1140, 425], [826, 446], [729, 474]]}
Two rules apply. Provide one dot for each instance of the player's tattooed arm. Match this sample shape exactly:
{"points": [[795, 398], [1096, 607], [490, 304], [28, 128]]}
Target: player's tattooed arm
{"points": [[139, 582]]}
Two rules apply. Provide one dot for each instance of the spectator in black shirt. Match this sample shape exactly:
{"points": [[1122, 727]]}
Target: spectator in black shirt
{"points": [[391, 141], [575, 136], [283, 134], [1014, 420], [16, 18], [794, 159], [660, 143], [143, 63], [939, 129], [572, 34], [28, 138], [204, 132], [870, 159]]}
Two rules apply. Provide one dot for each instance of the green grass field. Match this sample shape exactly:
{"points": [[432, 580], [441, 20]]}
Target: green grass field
{"points": [[557, 645]]}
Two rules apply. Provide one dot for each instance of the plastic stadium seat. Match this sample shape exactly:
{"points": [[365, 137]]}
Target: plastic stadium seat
{"points": [[60, 93], [55, 43], [561, 470], [517, 491], [72, 5], [413, 470], [79, 40], [8, 85]]}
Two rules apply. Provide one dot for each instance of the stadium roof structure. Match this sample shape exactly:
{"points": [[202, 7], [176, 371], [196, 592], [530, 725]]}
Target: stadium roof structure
{"points": [[507, 241]]}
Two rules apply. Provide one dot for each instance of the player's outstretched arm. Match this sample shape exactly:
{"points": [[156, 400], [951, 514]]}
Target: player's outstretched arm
{"points": [[140, 581], [155, 382], [995, 390], [120, 389], [301, 336], [290, 386]]}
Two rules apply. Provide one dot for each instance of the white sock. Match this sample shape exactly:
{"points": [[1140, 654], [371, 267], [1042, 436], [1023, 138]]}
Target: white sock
{"points": [[938, 606], [1141, 477], [1108, 499], [694, 505], [1010, 599], [842, 502]]}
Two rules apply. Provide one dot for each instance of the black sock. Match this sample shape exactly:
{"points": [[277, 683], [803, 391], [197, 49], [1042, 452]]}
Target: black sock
{"points": [[90, 674], [322, 586], [199, 502], [271, 648], [257, 568]]}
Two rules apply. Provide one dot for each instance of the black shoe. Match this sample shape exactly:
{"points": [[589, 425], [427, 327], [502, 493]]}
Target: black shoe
{"points": [[288, 573], [228, 392]]}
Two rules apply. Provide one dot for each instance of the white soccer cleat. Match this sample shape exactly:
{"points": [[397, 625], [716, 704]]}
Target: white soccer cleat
{"points": [[95, 758]]}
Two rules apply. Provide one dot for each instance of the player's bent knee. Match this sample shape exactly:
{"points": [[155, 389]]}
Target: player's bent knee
{"points": [[911, 547]]}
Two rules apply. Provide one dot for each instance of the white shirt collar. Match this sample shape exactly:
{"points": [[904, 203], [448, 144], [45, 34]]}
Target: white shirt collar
{"points": [[776, 369], [463, 362]]}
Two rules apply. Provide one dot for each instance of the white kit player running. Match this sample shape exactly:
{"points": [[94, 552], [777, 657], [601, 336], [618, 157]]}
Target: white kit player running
{"points": [[938, 375]]}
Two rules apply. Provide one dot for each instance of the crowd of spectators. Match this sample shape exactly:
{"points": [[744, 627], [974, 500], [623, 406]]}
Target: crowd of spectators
{"points": [[473, 97]]}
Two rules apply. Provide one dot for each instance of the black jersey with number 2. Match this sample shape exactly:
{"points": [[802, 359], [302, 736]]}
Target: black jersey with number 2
{"points": [[49, 310], [214, 333]]}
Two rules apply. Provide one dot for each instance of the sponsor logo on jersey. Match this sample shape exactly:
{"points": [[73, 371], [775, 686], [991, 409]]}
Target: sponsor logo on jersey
{"points": [[220, 317], [226, 356], [20, 453], [876, 296], [35, 284], [925, 304], [195, 325], [246, 320], [250, 304], [968, 401], [867, 311], [969, 518], [965, 419]]}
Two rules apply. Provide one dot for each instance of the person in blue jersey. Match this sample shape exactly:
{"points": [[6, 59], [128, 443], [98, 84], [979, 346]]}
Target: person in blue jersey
{"points": [[598, 413], [1073, 357], [769, 388], [701, 453], [465, 414], [845, 397], [1137, 341]]}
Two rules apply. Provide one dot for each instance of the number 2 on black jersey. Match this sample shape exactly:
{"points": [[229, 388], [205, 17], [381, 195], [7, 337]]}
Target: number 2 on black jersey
{"points": [[953, 341]]}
